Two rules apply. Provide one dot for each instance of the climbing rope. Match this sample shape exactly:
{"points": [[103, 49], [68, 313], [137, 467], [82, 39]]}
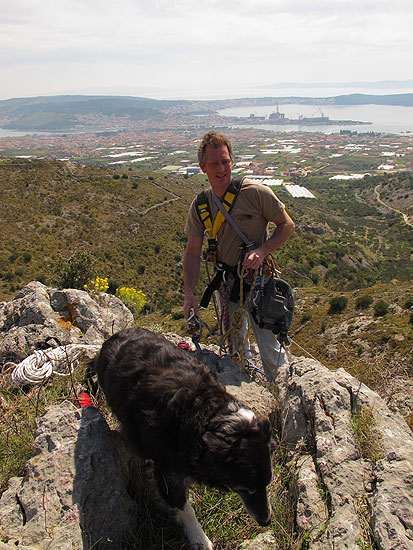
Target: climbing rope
{"points": [[237, 324], [225, 318], [41, 364]]}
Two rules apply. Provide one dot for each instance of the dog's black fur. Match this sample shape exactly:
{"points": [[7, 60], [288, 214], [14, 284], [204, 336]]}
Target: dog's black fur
{"points": [[175, 412]]}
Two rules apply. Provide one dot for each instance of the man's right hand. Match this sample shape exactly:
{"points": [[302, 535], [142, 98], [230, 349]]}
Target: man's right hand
{"points": [[190, 303]]}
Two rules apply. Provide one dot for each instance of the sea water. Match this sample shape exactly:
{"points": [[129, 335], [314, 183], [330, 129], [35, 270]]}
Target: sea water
{"points": [[383, 118]]}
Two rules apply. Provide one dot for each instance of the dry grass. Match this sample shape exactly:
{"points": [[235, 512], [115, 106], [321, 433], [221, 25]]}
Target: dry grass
{"points": [[363, 424]]}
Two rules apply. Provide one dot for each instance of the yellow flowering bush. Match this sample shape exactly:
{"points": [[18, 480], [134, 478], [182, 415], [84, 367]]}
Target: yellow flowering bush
{"points": [[97, 285], [132, 298]]}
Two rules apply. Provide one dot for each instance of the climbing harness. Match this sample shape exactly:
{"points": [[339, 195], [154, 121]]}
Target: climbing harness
{"points": [[41, 364], [211, 228], [270, 300]]}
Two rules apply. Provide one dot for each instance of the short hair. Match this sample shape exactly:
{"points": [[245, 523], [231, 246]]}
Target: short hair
{"points": [[215, 139]]}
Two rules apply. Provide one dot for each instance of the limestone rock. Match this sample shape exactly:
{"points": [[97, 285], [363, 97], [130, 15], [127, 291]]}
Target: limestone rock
{"points": [[264, 541], [72, 495], [316, 406], [39, 317]]}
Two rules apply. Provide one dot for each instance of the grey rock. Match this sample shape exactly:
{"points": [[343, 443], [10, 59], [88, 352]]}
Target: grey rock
{"points": [[312, 511], [73, 495], [316, 406], [264, 541], [40, 314], [75, 491]]}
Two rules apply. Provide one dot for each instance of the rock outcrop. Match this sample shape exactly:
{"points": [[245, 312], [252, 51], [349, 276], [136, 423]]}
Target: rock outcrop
{"points": [[40, 316], [73, 495], [76, 494], [342, 497]]}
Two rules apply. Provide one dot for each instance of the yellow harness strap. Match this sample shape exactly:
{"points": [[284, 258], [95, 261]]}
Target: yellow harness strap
{"points": [[212, 229]]}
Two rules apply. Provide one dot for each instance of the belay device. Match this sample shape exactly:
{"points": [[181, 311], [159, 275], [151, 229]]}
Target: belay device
{"points": [[272, 306]]}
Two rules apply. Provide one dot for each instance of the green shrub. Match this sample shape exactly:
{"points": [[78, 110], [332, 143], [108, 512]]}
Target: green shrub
{"points": [[380, 308], [73, 272], [338, 304], [306, 317], [177, 315], [132, 298], [112, 286], [408, 303], [363, 302]]}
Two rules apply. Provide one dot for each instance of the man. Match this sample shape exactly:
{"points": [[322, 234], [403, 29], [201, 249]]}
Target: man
{"points": [[256, 205]]}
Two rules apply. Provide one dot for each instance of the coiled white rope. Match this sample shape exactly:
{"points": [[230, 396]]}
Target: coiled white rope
{"points": [[41, 364]]}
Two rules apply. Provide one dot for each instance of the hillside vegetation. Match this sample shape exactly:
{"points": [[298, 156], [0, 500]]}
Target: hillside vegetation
{"points": [[350, 261], [127, 225]]}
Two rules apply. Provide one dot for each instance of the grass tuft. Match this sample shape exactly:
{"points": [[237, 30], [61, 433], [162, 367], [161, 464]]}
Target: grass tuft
{"points": [[368, 438]]}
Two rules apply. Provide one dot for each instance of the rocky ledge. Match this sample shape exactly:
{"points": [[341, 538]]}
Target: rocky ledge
{"points": [[75, 492]]}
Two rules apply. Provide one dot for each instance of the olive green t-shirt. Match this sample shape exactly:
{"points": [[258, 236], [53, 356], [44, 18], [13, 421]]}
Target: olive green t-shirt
{"points": [[255, 206]]}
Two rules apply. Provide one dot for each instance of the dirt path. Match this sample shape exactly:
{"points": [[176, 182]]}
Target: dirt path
{"points": [[404, 216], [175, 198]]}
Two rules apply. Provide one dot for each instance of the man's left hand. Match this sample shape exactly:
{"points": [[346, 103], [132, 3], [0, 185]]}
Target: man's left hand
{"points": [[254, 259]]}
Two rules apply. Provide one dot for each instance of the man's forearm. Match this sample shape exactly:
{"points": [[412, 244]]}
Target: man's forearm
{"points": [[191, 266], [279, 236]]}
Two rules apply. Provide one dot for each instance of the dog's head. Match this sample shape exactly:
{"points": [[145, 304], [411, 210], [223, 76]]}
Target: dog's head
{"points": [[237, 456]]}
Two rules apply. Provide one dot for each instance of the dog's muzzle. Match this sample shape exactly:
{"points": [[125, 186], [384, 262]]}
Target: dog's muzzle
{"points": [[257, 506]]}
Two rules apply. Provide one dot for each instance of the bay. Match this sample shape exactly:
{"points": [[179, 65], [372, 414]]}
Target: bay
{"points": [[4, 132], [384, 118]]}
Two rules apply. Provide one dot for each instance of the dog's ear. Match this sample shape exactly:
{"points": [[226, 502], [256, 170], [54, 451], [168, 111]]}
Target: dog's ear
{"points": [[209, 439], [215, 442]]}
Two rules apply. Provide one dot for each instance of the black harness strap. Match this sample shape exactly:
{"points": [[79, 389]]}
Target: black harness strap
{"points": [[204, 213], [221, 271]]}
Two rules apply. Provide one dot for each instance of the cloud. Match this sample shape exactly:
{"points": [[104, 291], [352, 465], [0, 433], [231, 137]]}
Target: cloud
{"points": [[61, 44]]}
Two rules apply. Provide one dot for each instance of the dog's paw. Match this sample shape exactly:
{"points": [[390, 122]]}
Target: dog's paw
{"points": [[196, 536]]}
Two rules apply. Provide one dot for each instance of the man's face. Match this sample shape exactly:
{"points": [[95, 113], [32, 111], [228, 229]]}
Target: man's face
{"points": [[217, 167]]}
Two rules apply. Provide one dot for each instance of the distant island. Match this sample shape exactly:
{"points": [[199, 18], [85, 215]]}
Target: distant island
{"points": [[112, 113]]}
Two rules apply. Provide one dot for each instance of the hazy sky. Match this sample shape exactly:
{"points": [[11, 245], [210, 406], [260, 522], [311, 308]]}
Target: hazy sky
{"points": [[206, 48]]}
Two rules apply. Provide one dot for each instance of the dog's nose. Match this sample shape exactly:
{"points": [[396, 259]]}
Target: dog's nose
{"points": [[265, 522]]}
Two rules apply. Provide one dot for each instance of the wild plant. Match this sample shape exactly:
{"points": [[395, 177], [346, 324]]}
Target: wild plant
{"points": [[132, 298]]}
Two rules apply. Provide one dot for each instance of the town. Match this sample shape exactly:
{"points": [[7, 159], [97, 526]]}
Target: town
{"points": [[279, 156]]}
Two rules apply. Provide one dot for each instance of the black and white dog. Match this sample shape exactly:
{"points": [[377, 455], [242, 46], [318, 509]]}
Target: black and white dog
{"points": [[175, 412]]}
